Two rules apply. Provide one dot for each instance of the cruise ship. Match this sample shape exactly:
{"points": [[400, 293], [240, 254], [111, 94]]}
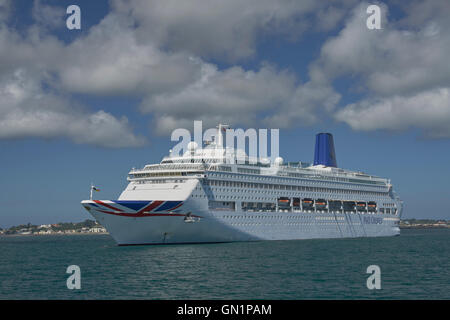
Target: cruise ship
{"points": [[205, 195]]}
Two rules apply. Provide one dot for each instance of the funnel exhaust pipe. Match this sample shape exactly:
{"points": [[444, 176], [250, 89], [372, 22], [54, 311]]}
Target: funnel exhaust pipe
{"points": [[324, 152]]}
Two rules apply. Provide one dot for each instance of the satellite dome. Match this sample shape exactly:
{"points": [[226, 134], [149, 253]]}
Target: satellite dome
{"points": [[278, 161]]}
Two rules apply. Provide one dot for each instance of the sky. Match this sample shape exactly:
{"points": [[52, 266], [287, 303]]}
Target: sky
{"points": [[86, 105]]}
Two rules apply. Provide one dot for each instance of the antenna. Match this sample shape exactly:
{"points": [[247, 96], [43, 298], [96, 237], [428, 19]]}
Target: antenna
{"points": [[221, 128]]}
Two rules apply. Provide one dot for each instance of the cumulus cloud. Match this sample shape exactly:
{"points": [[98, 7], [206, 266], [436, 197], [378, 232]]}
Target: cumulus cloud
{"points": [[398, 68], [389, 61], [308, 103], [160, 56], [27, 110], [48, 16], [177, 87], [418, 13], [428, 110], [160, 53], [241, 96], [234, 94], [33, 50], [33, 102], [5, 10], [229, 29], [109, 60]]}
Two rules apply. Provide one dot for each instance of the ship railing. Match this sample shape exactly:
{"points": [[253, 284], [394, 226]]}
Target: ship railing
{"points": [[168, 167], [314, 174]]}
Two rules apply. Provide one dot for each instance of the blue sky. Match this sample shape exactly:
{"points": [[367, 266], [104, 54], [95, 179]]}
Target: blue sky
{"points": [[82, 106]]}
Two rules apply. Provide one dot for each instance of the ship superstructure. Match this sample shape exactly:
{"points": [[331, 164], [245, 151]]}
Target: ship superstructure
{"points": [[206, 195]]}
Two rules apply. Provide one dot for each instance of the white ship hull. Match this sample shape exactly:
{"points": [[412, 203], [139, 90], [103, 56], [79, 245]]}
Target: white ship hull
{"points": [[207, 227], [206, 195]]}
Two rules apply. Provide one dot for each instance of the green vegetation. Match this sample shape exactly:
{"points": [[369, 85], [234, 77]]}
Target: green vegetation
{"points": [[87, 225], [61, 227], [423, 221]]}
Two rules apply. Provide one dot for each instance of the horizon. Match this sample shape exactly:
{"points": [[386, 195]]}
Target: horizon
{"points": [[82, 106], [93, 220]]}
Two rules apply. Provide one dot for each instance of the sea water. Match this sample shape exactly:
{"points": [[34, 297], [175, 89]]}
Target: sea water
{"points": [[414, 265]]}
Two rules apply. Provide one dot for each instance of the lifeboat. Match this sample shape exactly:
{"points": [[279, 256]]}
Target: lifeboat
{"points": [[321, 203], [284, 202], [361, 206], [307, 204], [372, 206]]}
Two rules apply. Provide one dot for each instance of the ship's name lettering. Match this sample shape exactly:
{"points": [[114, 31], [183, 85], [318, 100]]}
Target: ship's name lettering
{"points": [[373, 220]]}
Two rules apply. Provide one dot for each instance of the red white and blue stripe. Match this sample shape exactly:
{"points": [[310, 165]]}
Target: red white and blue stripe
{"points": [[136, 208]]}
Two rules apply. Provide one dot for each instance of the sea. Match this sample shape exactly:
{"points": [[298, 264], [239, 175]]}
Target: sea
{"points": [[414, 265]]}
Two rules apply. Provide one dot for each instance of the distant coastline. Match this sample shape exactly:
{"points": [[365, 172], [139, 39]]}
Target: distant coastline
{"points": [[92, 227], [423, 224], [85, 227], [53, 234]]}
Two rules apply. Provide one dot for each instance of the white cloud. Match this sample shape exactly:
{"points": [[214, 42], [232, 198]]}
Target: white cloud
{"points": [[229, 29], [418, 13], [397, 68], [238, 96], [48, 16], [428, 110], [309, 103], [388, 61], [109, 61], [34, 51], [161, 56], [228, 92], [5, 10], [155, 55], [34, 103], [27, 110], [177, 87]]}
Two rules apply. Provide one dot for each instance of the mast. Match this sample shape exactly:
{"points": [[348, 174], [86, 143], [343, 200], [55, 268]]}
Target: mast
{"points": [[220, 128]]}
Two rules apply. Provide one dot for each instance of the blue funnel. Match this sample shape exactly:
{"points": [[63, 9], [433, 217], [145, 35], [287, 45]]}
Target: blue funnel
{"points": [[324, 152]]}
